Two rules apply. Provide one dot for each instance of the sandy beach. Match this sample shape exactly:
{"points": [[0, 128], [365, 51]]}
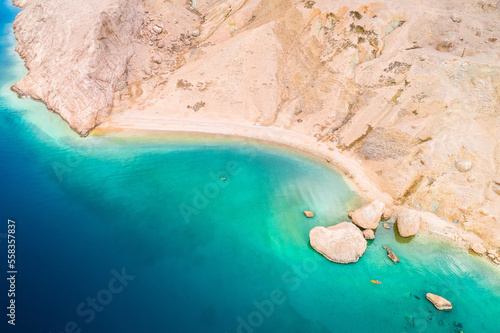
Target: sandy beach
{"points": [[353, 172]]}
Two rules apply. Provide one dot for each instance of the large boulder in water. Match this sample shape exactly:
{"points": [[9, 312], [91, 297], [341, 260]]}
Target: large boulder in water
{"points": [[342, 243], [439, 302], [368, 216], [408, 222]]}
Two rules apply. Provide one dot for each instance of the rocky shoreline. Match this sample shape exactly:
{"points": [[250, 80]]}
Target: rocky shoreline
{"points": [[401, 97], [345, 242]]}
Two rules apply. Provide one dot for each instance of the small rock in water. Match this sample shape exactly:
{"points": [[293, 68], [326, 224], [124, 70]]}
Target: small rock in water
{"points": [[463, 166], [386, 225], [392, 256], [368, 233], [409, 319], [439, 302], [223, 179], [385, 247], [308, 213]]}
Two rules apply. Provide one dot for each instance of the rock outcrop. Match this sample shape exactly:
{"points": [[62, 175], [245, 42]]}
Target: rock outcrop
{"points": [[387, 214], [392, 255], [408, 222], [308, 213], [76, 58], [439, 302], [342, 243], [368, 216], [368, 234], [478, 248]]}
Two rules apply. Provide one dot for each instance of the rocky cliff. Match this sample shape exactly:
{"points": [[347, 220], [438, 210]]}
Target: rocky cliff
{"points": [[409, 89]]}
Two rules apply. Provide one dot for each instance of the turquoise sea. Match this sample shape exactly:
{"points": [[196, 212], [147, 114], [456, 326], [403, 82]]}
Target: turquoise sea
{"points": [[141, 234]]}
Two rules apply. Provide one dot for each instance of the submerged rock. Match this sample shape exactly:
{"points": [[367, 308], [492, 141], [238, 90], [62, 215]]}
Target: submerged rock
{"points": [[342, 243], [439, 302], [369, 234], [368, 216], [308, 213], [408, 222], [392, 255], [386, 225]]}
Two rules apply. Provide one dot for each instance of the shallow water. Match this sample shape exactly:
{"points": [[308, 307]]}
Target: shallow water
{"points": [[200, 254]]}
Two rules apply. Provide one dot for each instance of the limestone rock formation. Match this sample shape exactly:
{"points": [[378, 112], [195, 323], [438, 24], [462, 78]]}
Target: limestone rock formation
{"points": [[342, 243], [368, 234], [76, 59], [408, 221], [308, 213], [478, 248], [368, 216], [392, 255], [439, 302], [387, 214]]}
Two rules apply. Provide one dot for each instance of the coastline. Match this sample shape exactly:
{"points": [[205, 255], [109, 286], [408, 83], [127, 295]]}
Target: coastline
{"points": [[352, 171]]}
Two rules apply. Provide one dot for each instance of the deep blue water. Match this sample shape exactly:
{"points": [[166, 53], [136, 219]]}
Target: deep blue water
{"points": [[119, 234]]}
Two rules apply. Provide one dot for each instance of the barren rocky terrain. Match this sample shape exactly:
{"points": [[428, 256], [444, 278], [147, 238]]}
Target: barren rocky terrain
{"points": [[410, 90]]}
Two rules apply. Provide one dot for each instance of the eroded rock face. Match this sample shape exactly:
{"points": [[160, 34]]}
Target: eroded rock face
{"points": [[408, 221], [439, 302], [368, 216], [342, 243], [76, 59]]}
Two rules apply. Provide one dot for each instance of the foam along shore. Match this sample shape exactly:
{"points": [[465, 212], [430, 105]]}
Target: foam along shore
{"points": [[353, 172]]}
